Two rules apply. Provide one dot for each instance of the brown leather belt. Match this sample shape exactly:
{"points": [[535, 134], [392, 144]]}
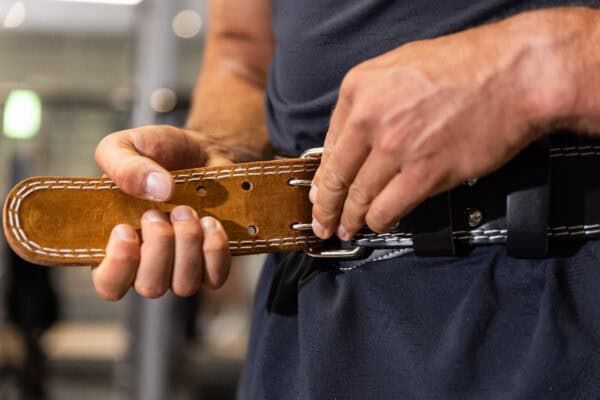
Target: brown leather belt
{"points": [[263, 207], [544, 195]]}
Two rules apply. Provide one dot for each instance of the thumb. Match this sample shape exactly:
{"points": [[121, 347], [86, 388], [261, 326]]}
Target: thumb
{"points": [[137, 159]]}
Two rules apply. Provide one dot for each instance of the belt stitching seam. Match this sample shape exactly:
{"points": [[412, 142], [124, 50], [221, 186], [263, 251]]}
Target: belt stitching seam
{"points": [[107, 184], [479, 235]]}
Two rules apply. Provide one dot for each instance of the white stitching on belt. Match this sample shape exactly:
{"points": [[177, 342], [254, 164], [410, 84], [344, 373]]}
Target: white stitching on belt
{"points": [[107, 184], [575, 151], [481, 236]]}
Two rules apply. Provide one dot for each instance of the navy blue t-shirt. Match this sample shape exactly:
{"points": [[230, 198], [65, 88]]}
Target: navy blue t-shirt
{"points": [[398, 326]]}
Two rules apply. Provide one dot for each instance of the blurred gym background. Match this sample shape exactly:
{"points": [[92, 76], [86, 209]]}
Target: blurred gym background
{"points": [[72, 71]]}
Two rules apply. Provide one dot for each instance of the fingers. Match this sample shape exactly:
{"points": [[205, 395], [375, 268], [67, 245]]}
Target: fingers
{"points": [[217, 257], [339, 116], [404, 192], [202, 253], [158, 250], [189, 263], [336, 176], [182, 253], [372, 178], [113, 277], [346, 148]]}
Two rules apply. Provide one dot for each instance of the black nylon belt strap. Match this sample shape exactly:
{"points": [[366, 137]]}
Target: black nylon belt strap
{"points": [[516, 206], [528, 206], [431, 224]]}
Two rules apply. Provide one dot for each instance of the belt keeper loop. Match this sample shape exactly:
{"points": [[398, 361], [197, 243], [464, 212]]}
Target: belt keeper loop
{"points": [[528, 207], [432, 227]]}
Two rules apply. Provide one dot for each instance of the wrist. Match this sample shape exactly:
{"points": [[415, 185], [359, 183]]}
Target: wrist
{"points": [[551, 74], [229, 146]]}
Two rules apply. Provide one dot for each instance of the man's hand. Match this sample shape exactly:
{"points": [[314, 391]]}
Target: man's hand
{"points": [[226, 124], [430, 115], [179, 252]]}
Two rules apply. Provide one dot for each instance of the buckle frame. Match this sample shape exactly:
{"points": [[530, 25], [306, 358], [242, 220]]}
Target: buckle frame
{"points": [[354, 253], [312, 153]]}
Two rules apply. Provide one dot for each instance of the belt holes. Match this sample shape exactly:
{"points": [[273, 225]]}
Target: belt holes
{"points": [[247, 186], [252, 230], [201, 191]]}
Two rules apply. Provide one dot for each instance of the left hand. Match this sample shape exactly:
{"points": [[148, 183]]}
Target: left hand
{"points": [[428, 116]]}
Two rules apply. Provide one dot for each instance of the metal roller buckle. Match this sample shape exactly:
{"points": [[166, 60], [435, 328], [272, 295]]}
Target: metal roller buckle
{"points": [[325, 253]]}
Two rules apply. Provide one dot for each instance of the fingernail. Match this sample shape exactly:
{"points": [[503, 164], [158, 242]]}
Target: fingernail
{"points": [[123, 232], [342, 233], [183, 214], [157, 186], [153, 216], [312, 195], [318, 228], [209, 224]]}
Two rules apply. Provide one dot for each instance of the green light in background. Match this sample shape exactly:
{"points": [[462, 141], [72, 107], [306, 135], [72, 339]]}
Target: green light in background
{"points": [[22, 114]]}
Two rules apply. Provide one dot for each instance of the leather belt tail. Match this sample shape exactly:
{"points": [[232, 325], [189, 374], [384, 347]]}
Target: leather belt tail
{"points": [[263, 207]]}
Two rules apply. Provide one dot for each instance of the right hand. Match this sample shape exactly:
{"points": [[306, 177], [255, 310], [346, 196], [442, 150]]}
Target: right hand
{"points": [[181, 252]]}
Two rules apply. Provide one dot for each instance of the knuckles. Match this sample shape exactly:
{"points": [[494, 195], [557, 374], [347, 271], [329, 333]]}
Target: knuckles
{"points": [[128, 177], [349, 86], [188, 230], [163, 230], [380, 218], [125, 258], [332, 181], [190, 227], [216, 245], [358, 197], [150, 139], [101, 148], [361, 121], [391, 142]]}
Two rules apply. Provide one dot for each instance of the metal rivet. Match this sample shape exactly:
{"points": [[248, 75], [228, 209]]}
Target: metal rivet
{"points": [[252, 230], [474, 217]]}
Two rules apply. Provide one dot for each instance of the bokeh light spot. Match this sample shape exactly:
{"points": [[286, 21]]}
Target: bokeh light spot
{"points": [[22, 114], [187, 24]]}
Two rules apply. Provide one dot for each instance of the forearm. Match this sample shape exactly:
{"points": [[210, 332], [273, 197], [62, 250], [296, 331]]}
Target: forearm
{"points": [[583, 64], [228, 111], [228, 106]]}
